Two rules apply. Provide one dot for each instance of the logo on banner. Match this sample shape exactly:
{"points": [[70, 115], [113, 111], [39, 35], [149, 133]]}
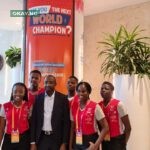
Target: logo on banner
{"points": [[51, 20]]}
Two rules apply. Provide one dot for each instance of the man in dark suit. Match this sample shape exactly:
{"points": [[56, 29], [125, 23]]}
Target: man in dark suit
{"points": [[50, 122]]}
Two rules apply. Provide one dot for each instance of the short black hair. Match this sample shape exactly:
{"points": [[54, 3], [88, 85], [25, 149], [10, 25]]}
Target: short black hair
{"points": [[50, 76], [36, 71], [110, 84], [74, 77], [87, 85], [25, 98]]}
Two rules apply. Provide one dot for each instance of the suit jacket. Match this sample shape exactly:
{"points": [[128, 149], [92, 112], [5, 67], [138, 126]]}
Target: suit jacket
{"points": [[60, 118]]}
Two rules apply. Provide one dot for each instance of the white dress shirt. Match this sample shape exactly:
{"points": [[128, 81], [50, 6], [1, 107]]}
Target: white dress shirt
{"points": [[48, 108]]}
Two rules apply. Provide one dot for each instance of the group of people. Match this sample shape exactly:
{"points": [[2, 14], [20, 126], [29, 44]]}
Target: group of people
{"points": [[45, 119]]}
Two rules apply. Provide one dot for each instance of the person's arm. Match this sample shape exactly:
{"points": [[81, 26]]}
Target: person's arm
{"points": [[101, 120], [33, 127], [2, 128], [125, 120], [2, 122], [104, 129], [127, 126], [72, 129], [63, 146], [66, 124]]}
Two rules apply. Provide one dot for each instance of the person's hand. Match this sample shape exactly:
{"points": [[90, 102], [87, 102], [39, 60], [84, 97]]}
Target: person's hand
{"points": [[92, 146], [63, 147], [33, 147], [70, 148]]}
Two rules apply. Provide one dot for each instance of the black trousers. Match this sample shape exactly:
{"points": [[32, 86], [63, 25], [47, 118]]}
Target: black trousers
{"points": [[116, 143], [47, 142], [24, 143]]}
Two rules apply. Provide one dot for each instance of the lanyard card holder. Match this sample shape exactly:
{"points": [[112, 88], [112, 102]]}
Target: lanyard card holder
{"points": [[15, 133], [79, 139], [14, 137]]}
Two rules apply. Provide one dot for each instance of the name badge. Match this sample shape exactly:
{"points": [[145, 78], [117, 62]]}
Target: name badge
{"points": [[14, 137], [79, 138]]}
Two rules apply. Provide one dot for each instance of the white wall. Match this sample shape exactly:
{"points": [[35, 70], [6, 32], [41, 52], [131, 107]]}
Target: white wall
{"points": [[78, 43], [78, 50], [135, 94], [11, 34], [109, 22], [9, 76]]}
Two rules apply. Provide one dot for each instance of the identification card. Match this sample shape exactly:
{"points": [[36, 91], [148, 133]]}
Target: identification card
{"points": [[79, 138], [14, 137]]}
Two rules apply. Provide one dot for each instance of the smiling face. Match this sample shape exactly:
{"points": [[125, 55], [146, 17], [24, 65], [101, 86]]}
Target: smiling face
{"points": [[18, 93], [83, 93]]}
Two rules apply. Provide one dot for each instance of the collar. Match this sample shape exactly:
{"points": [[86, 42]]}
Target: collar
{"points": [[52, 96]]}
